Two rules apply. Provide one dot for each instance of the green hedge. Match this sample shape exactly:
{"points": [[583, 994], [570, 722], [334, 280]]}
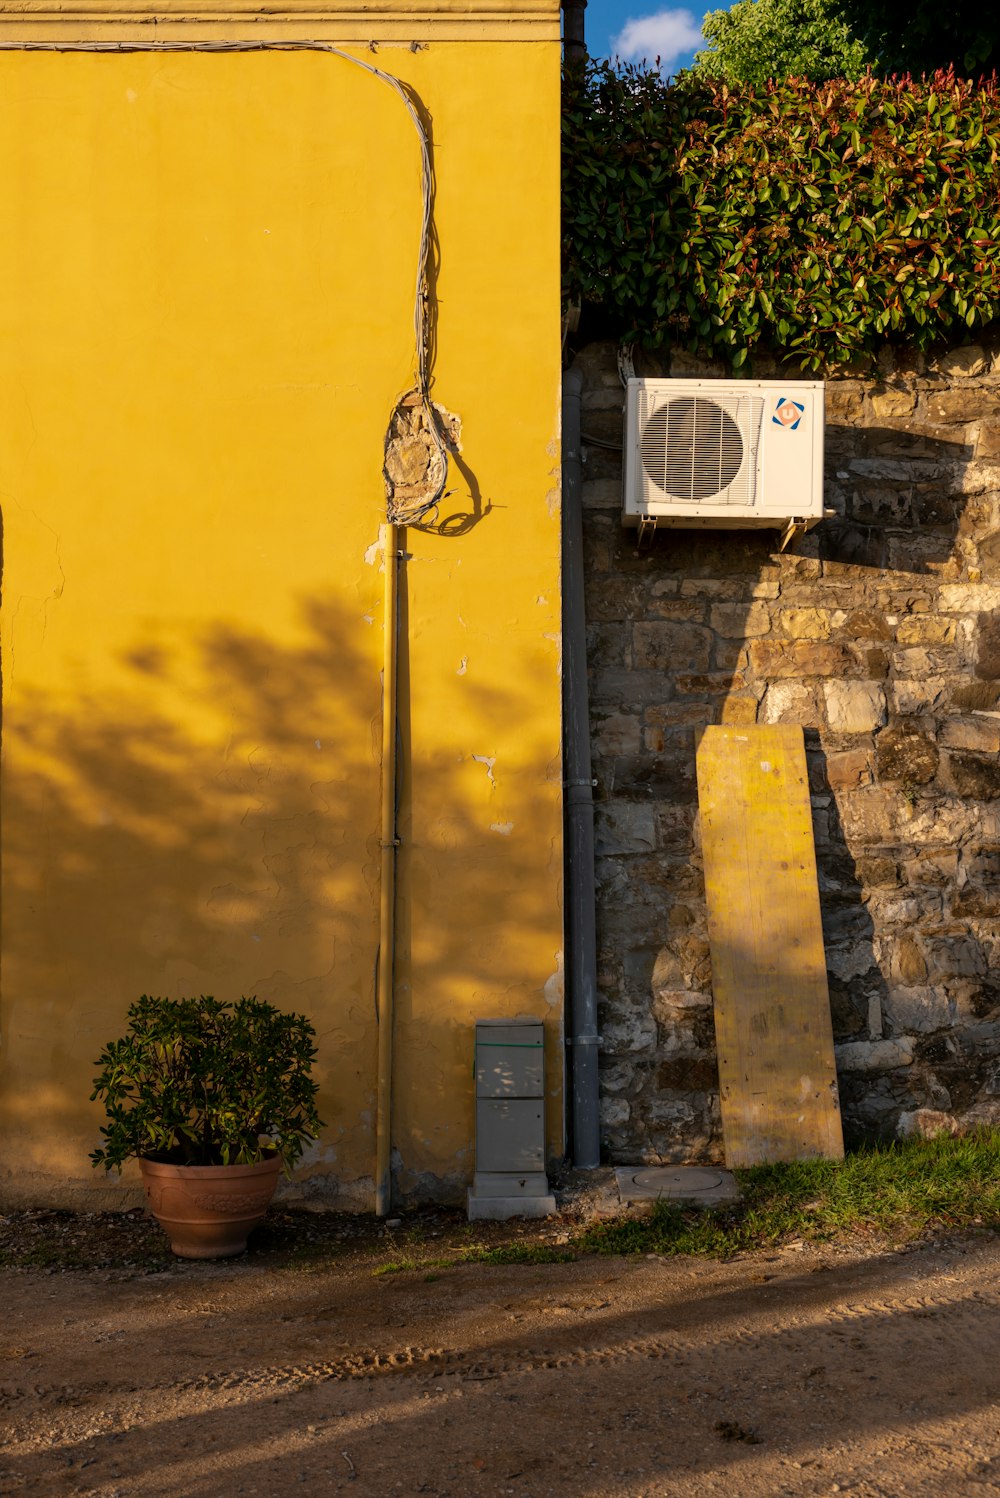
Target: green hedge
{"points": [[816, 219]]}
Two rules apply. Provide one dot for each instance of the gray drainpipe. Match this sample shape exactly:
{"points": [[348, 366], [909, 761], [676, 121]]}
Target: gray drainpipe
{"points": [[581, 940], [574, 40]]}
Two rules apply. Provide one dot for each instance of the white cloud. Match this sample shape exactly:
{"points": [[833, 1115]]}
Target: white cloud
{"points": [[668, 35]]}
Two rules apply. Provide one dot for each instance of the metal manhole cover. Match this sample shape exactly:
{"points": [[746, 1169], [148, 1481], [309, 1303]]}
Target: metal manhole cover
{"points": [[689, 1183], [669, 1181]]}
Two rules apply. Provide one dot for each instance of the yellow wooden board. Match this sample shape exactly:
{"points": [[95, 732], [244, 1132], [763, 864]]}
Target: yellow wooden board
{"points": [[777, 1076]]}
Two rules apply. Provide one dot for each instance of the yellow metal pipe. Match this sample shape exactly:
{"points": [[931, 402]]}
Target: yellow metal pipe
{"points": [[387, 884]]}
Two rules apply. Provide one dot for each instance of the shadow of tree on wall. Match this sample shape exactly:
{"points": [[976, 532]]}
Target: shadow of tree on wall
{"points": [[716, 627], [213, 827]]}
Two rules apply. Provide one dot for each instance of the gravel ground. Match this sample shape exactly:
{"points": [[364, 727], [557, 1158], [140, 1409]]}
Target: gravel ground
{"points": [[341, 1355]]}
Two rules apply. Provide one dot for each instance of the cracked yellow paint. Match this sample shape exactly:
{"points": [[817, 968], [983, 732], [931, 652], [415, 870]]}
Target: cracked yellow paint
{"points": [[206, 286]]}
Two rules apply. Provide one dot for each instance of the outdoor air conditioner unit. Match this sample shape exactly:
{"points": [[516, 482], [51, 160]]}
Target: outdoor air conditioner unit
{"points": [[724, 454]]}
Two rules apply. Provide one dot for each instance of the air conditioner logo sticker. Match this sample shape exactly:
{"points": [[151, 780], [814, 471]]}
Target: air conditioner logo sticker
{"points": [[788, 414]]}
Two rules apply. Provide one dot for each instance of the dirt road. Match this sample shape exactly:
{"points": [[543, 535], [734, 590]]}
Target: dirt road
{"points": [[800, 1372]]}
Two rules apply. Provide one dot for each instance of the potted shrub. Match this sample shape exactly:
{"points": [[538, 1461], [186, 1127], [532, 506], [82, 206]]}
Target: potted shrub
{"points": [[211, 1099]]}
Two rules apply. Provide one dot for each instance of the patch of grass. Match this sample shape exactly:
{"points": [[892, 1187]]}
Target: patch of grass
{"points": [[516, 1253], [400, 1266], [899, 1190]]}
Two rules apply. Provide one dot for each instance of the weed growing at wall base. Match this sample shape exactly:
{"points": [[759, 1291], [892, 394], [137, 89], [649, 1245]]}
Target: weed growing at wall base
{"points": [[901, 1191]]}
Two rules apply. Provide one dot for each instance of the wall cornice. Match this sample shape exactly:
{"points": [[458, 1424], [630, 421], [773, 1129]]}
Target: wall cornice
{"points": [[392, 21]]}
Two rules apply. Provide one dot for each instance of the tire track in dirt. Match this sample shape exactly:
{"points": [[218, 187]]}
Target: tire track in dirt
{"points": [[939, 1320], [893, 1317]]}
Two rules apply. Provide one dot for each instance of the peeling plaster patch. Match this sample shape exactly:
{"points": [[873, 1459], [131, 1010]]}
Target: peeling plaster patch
{"points": [[368, 618], [553, 503], [541, 600], [317, 1153], [376, 551], [554, 986], [317, 743], [463, 667], [504, 828], [489, 760], [131, 95]]}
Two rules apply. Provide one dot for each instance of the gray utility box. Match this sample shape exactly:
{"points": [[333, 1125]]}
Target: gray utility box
{"points": [[510, 1176]]}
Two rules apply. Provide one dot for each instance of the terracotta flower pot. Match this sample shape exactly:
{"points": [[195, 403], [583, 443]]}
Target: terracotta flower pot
{"points": [[207, 1210]]}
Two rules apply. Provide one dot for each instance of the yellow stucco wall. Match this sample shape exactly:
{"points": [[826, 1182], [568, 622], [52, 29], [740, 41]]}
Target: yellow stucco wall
{"points": [[206, 288]]}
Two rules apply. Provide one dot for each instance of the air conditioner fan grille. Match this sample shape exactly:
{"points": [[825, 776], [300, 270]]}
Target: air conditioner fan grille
{"points": [[695, 448]]}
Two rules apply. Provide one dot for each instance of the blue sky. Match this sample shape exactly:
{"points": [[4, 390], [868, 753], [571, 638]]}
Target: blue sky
{"points": [[634, 31]]}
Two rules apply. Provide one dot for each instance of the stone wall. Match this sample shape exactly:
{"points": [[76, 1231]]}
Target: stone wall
{"points": [[879, 633]]}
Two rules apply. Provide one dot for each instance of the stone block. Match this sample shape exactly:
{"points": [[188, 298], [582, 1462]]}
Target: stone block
{"points": [[791, 702], [663, 718], [613, 599], [914, 662], [607, 644], [627, 1030], [848, 770], [738, 711], [988, 440], [954, 954], [906, 961], [850, 961], [804, 624], [893, 403], [844, 402], [675, 828], [910, 698], [613, 685], [968, 598], [975, 903], [656, 604], [866, 624], [709, 683], [917, 1011], [727, 588], [933, 867], [622, 828], [854, 706], [615, 1111], [669, 776], [912, 551], [683, 964], [978, 478], [925, 1123], [740, 621], [981, 733], [616, 733], [971, 776], [797, 658], [662, 645], [981, 863], [905, 753], [976, 696], [987, 636], [952, 407], [925, 629], [870, 815], [962, 363], [875, 1055], [877, 872], [602, 494]]}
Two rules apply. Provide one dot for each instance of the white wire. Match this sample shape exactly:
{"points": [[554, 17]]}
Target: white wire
{"points": [[423, 507]]}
